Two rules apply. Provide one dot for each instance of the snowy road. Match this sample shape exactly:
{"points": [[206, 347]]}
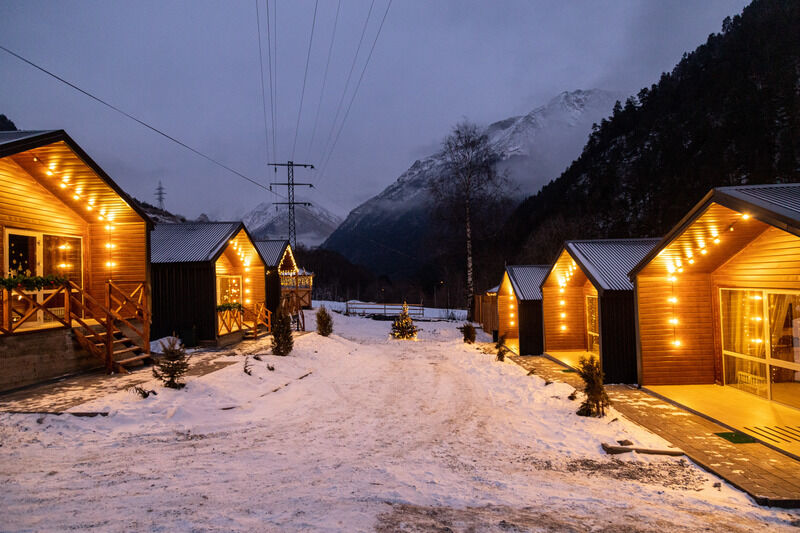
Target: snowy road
{"points": [[382, 435]]}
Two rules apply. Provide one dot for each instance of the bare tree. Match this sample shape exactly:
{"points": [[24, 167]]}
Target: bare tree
{"points": [[468, 184]]}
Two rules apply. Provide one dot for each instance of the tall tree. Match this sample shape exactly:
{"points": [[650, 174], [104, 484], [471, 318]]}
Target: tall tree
{"points": [[469, 181], [6, 124]]}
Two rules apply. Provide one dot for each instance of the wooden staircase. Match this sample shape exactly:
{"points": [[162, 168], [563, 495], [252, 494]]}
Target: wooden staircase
{"points": [[257, 321], [118, 332]]}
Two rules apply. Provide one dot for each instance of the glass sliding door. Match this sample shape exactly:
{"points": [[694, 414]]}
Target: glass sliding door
{"points": [[761, 342], [229, 289]]}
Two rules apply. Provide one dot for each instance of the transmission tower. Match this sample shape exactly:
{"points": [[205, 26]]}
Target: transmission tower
{"points": [[290, 185], [160, 195]]}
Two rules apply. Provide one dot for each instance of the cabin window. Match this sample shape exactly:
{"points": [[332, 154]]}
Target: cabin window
{"points": [[229, 289], [761, 342], [592, 325], [41, 254]]}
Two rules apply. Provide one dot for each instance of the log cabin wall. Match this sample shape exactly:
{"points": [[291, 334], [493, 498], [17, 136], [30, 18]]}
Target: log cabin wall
{"points": [[72, 199], [572, 293], [27, 205], [230, 264], [662, 362], [506, 306]]}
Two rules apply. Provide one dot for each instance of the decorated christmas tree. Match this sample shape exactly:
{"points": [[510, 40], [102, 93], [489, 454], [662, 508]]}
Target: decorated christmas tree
{"points": [[172, 365], [403, 327]]}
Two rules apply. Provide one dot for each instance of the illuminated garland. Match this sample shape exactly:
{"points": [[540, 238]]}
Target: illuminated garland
{"points": [[32, 283], [676, 267]]}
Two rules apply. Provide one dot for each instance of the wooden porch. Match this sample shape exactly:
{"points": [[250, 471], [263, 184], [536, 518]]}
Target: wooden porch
{"points": [[769, 422], [116, 332], [254, 321]]}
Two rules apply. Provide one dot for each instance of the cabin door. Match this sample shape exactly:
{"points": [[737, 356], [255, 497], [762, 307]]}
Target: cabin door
{"points": [[38, 254], [592, 326]]}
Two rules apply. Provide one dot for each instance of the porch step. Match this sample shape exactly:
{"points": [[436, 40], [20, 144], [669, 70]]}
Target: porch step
{"points": [[135, 358], [128, 349]]}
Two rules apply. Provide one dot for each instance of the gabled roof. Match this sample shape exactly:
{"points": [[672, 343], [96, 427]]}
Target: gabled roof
{"points": [[775, 204], [526, 280], [15, 142], [191, 242], [272, 251], [606, 262]]}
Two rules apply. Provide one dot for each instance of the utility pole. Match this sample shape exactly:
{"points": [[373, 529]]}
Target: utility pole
{"points": [[290, 185], [160, 195]]}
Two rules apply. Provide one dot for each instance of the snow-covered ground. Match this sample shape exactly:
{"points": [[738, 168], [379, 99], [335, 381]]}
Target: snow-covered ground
{"points": [[379, 434]]}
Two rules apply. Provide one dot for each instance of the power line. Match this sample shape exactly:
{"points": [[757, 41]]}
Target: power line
{"points": [[325, 76], [347, 82], [263, 91], [355, 92], [305, 75], [141, 122], [273, 85]]}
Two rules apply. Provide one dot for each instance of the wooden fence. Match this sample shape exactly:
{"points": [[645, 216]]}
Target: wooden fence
{"points": [[486, 312], [365, 309]]}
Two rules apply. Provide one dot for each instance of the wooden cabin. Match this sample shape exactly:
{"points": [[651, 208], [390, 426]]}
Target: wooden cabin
{"points": [[519, 308], [208, 283], [485, 311], [295, 283], [718, 299], [588, 305], [62, 215]]}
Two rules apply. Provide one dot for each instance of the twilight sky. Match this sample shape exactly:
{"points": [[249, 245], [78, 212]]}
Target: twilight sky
{"points": [[191, 69]]}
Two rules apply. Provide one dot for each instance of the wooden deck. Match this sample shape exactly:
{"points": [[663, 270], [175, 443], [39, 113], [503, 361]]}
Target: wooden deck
{"points": [[775, 425], [771, 477], [569, 358]]}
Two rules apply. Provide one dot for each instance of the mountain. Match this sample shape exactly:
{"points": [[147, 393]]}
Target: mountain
{"points": [[387, 233], [314, 223], [162, 216], [727, 114]]}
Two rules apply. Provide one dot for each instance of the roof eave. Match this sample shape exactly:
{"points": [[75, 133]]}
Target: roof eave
{"points": [[53, 136]]}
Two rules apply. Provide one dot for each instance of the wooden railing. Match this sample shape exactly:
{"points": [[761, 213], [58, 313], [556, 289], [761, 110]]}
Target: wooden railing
{"points": [[94, 324], [365, 309], [292, 304], [229, 321], [256, 317]]}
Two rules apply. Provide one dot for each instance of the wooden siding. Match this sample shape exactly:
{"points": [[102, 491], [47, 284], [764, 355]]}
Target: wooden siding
{"points": [[506, 306], [574, 337], [486, 312], [662, 362], [184, 301], [229, 263]]}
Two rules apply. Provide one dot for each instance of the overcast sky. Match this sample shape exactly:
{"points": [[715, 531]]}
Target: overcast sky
{"points": [[191, 69]]}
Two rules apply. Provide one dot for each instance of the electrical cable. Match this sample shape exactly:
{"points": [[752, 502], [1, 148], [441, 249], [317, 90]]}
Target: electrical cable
{"points": [[324, 77], [305, 76], [139, 121]]}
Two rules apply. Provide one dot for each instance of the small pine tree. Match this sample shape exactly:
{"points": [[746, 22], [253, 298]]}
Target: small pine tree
{"points": [[172, 365], [282, 341], [502, 349], [469, 332], [403, 326], [324, 322], [596, 400]]}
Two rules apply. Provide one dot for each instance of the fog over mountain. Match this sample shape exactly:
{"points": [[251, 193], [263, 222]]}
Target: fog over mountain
{"points": [[533, 149]]}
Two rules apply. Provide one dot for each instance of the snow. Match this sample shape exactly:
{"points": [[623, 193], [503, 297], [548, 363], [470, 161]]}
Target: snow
{"points": [[354, 432], [430, 313]]}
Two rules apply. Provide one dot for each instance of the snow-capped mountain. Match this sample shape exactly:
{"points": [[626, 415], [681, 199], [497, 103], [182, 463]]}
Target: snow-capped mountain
{"points": [[314, 223], [385, 232]]}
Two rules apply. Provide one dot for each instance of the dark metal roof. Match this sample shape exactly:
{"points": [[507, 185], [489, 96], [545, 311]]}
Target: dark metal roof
{"points": [[606, 262], [191, 242], [271, 251], [11, 136], [775, 204], [526, 280], [780, 198]]}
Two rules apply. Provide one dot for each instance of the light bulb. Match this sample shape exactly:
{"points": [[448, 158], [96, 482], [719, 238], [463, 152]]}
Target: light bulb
{"points": [[745, 216]]}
